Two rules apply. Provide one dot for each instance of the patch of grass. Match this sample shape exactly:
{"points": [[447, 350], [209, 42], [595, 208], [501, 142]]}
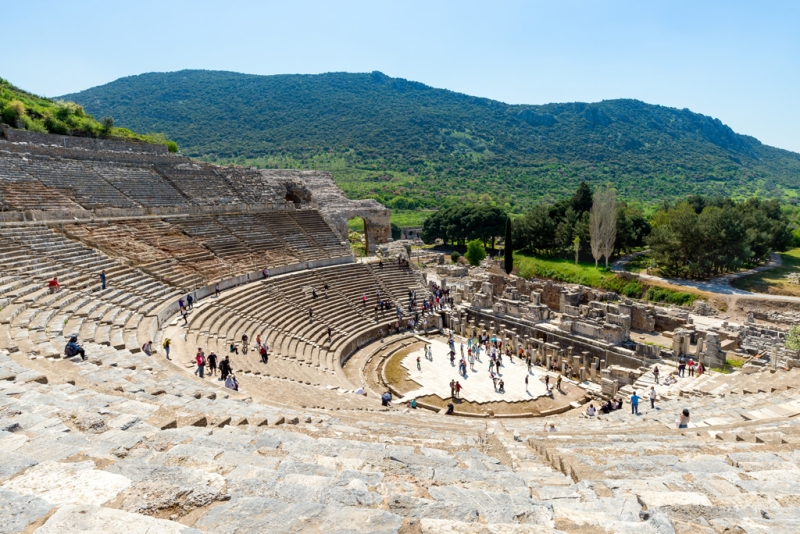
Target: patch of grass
{"points": [[404, 218], [564, 270], [679, 298], [774, 281]]}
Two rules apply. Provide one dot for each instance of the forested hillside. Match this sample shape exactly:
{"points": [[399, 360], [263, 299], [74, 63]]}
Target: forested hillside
{"points": [[413, 146]]}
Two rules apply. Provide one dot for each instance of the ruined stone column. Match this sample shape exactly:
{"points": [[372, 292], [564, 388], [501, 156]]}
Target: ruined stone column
{"points": [[593, 369]]}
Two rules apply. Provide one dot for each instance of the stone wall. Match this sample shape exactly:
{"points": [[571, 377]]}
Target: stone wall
{"points": [[336, 208], [89, 143]]}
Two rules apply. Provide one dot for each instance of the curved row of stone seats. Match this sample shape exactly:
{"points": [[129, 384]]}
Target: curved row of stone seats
{"points": [[700, 483], [132, 443], [397, 280], [90, 188], [282, 225], [725, 415], [35, 196], [319, 230], [143, 184], [200, 182], [36, 321], [158, 247], [278, 310]]}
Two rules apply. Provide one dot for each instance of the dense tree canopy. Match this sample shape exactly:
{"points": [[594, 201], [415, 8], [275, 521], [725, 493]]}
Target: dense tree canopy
{"points": [[460, 224], [702, 237]]}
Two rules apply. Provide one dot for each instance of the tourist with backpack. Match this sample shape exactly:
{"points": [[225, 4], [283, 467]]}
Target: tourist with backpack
{"points": [[73, 348], [166, 344]]}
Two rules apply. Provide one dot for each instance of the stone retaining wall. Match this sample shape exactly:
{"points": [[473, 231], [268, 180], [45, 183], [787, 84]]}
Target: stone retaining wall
{"points": [[89, 143]]}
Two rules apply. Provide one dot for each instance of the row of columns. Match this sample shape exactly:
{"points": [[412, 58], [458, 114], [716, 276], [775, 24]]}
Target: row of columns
{"points": [[583, 365]]}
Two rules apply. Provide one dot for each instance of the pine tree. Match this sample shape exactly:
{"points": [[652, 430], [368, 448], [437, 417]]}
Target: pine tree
{"points": [[509, 251]]}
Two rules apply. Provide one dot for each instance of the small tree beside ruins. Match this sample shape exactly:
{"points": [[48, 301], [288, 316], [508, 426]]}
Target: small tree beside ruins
{"points": [[603, 224], [475, 253]]}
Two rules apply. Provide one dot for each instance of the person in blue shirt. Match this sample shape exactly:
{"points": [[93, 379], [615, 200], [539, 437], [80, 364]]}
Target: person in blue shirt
{"points": [[635, 404]]}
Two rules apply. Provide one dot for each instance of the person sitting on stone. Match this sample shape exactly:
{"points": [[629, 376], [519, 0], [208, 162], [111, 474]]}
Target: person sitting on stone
{"points": [[683, 419], [450, 408], [549, 427], [73, 348], [590, 411], [53, 286], [147, 348], [232, 383]]}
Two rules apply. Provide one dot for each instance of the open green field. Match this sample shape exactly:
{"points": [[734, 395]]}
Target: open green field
{"points": [[564, 270], [774, 281]]}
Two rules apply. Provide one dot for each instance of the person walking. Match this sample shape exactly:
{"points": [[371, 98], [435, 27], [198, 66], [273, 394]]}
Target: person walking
{"points": [[526, 382], [310, 315], [201, 363], [419, 366], [558, 383], [652, 397], [634, 404], [691, 367], [167, 344], [212, 364], [264, 350], [216, 290], [458, 389], [103, 279], [547, 381], [190, 301], [245, 339], [655, 373]]}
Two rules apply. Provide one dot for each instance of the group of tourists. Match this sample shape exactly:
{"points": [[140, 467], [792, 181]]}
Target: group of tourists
{"points": [[225, 369]]}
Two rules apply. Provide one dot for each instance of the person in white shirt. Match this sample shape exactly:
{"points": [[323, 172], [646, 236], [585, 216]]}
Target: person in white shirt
{"points": [[652, 397], [590, 411]]}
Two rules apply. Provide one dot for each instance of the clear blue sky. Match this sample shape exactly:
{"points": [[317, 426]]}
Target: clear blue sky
{"points": [[737, 61]]}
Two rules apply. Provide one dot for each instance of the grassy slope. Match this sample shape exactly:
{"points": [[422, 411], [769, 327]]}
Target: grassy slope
{"points": [[774, 281], [19, 108], [409, 145], [563, 270]]}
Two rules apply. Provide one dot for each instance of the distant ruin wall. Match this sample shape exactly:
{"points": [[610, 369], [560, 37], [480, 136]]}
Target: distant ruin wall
{"points": [[88, 143]]}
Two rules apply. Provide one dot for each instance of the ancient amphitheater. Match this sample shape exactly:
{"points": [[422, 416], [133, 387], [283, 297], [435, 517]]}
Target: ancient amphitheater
{"points": [[126, 442]]}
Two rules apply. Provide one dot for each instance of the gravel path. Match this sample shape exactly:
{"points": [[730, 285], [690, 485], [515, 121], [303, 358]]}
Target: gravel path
{"points": [[720, 285]]}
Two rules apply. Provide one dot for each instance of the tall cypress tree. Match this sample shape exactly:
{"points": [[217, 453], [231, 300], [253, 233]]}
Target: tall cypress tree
{"points": [[509, 252]]}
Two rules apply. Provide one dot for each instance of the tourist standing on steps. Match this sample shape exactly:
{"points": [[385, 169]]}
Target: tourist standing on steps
{"points": [[216, 290], [683, 419], [526, 382], [103, 279], [201, 363], [458, 389], [419, 366], [190, 301], [691, 367], [310, 315], [558, 383], [212, 364], [225, 368], [166, 344], [655, 373], [634, 404], [244, 343], [264, 350], [452, 389], [547, 381], [652, 397]]}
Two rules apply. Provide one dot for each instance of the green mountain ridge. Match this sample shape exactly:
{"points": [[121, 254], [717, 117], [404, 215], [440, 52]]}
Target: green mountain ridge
{"points": [[414, 146]]}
